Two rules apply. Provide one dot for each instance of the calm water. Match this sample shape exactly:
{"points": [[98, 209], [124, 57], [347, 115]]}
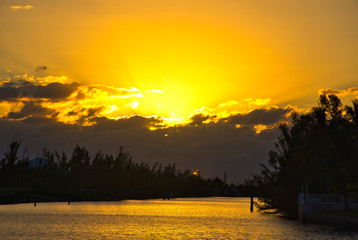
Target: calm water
{"points": [[207, 218]]}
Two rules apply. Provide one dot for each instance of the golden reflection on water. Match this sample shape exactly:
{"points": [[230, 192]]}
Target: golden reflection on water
{"points": [[194, 218]]}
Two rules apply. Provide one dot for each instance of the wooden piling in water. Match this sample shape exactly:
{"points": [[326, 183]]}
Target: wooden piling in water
{"points": [[252, 204]]}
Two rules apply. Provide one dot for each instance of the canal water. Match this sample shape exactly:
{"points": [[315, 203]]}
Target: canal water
{"points": [[189, 218]]}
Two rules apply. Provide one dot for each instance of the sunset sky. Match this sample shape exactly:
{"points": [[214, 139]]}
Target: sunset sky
{"points": [[204, 83]]}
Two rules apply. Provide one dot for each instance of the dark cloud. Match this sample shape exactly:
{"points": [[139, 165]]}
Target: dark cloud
{"points": [[198, 119], [135, 122], [29, 109], [41, 68], [9, 92], [72, 113], [260, 116], [86, 114], [12, 90], [91, 112], [80, 95], [17, 83], [55, 90], [267, 116]]}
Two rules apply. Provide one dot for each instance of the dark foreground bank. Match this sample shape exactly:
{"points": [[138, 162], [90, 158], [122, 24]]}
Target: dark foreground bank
{"points": [[341, 222]]}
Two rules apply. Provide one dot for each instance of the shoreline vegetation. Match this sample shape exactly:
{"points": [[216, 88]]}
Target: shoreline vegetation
{"points": [[105, 177], [318, 150]]}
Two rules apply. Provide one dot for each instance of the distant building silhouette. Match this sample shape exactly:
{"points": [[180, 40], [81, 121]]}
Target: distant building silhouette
{"points": [[37, 162]]}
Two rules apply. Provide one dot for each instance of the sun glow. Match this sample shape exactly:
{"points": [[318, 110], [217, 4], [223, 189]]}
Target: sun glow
{"points": [[179, 66], [168, 68]]}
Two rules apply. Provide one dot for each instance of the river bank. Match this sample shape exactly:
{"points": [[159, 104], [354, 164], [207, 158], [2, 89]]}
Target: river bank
{"points": [[345, 220], [19, 197]]}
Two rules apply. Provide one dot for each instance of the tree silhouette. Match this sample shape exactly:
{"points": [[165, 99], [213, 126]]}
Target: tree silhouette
{"points": [[319, 149], [103, 177], [11, 157]]}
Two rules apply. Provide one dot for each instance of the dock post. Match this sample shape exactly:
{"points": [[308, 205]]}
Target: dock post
{"points": [[252, 204]]}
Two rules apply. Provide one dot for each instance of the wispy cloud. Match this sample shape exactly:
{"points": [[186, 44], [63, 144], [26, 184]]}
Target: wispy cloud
{"points": [[41, 68], [114, 92], [258, 101], [260, 127], [154, 91], [228, 104], [339, 92], [133, 104], [26, 7], [51, 79]]}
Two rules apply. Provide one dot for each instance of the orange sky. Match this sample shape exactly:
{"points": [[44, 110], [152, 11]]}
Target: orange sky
{"points": [[199, 53]]}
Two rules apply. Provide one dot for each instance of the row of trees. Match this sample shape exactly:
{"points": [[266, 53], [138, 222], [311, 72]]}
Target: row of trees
{"points": [[320, 149], [102, 177]]}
